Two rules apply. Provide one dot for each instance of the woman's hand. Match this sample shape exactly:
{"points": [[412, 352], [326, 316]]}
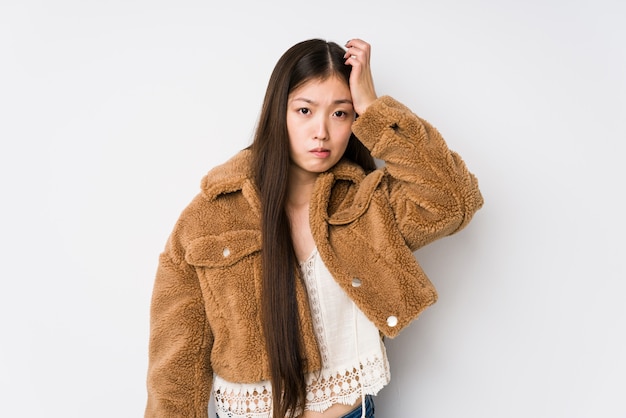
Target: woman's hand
{"points": [[361, 81]]}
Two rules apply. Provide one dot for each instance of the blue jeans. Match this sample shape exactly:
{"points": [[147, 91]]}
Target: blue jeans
{"points": [[356, 412]]}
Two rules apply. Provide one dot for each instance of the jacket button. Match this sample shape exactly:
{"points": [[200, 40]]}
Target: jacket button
{"points": [[392, 321], [356, 282], [226, 252]]}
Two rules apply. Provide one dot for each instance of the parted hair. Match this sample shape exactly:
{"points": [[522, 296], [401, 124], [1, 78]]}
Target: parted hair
{"points": [[307, 60]]}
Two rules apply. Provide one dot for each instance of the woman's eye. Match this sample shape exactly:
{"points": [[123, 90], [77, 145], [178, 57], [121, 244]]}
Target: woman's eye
{"points": [[304, 111], [340, 113]]}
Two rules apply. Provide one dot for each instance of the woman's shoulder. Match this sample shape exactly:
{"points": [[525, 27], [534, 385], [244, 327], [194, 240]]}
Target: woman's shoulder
{"points": [[229, 176], [223, 201]]}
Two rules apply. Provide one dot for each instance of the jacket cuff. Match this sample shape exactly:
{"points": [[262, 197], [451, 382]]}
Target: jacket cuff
{"points": [[381, 118]]}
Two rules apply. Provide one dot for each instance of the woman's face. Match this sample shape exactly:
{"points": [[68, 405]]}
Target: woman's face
{"points": [[319, 123]]}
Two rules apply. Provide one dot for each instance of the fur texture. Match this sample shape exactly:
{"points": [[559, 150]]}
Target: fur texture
{"points": [[205, 314]]}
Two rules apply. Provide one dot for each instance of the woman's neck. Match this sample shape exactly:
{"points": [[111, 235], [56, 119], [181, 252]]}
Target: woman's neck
{"points": [[299, 190]]}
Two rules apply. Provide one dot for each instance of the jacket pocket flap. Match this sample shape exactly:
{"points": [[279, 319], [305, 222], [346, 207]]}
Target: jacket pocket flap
{"points": [[223, 250], [361, 200]]}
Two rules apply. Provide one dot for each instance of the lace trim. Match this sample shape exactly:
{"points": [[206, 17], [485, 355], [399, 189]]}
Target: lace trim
{"points": [[348, 385], [324, 389], [308, 270], [242, 400]]}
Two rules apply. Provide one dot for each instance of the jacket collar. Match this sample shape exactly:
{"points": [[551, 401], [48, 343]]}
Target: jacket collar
{"points": [[236, 174], [228, 177]]}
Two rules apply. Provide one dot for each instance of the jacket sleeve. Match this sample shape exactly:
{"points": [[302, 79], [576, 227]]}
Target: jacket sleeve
{"points": [[431, 191], [179, 371]]}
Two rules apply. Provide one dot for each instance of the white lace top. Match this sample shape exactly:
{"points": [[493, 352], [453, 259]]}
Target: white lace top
{"points": [[354, 361]]}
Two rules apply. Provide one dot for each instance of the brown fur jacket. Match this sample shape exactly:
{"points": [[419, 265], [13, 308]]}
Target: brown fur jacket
{"points": [[205, 313]]}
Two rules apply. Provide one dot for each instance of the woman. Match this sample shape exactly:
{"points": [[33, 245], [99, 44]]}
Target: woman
{"points": [[282, 275]]}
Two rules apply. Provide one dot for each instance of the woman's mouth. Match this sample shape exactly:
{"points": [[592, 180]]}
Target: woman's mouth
{"points": [[320, 152]]}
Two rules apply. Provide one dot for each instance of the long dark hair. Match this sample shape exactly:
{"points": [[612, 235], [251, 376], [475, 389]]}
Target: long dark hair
{"points": [[310, 59]]}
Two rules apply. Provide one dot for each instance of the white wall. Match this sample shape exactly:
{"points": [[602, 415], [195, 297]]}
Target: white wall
{"points": [[111, 112]]}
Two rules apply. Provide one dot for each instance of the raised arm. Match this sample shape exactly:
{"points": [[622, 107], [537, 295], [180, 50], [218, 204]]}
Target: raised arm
{"points": [[430, 188]]}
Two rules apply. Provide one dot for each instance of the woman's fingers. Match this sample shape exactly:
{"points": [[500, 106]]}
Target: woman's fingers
{"points": [[361, 81], [358, 48]]}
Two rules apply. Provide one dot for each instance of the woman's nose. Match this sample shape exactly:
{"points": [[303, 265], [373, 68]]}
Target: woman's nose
{"points": [[321, 132]]}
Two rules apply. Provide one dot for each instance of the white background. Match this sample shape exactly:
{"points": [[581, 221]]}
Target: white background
{"points": [[111, 112]]}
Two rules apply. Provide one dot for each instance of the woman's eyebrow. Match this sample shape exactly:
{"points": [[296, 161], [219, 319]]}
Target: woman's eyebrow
{"points": [[310, 101]]}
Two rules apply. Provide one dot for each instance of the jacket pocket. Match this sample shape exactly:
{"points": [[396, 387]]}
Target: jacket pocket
{"points": [[215, 251]]}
